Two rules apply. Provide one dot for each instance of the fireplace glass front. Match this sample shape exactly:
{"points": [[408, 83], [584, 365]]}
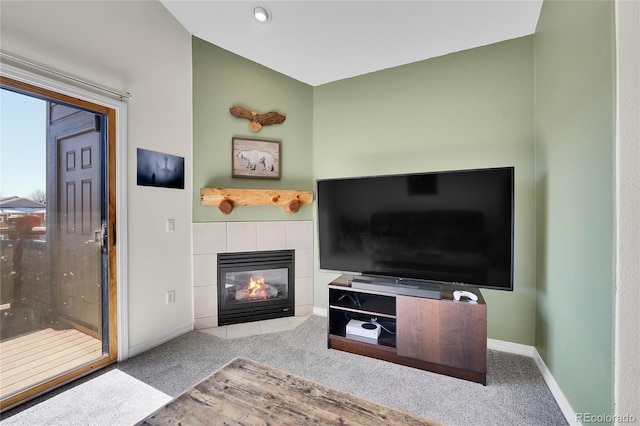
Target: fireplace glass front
{"points": [[255, 286]]}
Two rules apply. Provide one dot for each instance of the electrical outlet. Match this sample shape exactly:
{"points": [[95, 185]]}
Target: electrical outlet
{"points": [[171, 225], [171, 297]]}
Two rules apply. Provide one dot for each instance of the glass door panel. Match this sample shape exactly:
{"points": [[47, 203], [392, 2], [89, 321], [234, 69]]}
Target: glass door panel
{"points": [[54, 305]]}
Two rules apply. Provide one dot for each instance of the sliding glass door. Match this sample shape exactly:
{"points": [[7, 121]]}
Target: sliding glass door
{"points": [[57, 261]]}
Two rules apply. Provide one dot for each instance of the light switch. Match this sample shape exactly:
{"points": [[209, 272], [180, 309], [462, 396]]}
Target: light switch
{"points": [[171, 225]]}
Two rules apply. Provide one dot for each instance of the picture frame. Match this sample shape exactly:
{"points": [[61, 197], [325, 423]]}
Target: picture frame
{"points": [[255, 158], [159, 169]]}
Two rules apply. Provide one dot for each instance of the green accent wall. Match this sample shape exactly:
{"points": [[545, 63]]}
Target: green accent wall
{"points": [[222, 79], [466, 110], [575, 197]]}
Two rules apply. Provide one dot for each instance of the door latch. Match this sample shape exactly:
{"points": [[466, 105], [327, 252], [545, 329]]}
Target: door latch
{"points": [[100, 236]]}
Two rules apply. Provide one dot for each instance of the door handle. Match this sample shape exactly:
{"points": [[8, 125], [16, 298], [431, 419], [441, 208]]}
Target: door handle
{"points": [[97, 238], [100, 235]]}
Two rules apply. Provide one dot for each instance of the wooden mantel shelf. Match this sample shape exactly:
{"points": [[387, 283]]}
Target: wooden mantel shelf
{"points": [[226, 198]]}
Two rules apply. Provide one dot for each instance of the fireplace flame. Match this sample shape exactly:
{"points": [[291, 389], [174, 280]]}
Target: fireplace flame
{"points": [[257, 288]]}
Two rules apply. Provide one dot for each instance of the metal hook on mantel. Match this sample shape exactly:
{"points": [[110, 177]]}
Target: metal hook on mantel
{"points": [[227, 198]]}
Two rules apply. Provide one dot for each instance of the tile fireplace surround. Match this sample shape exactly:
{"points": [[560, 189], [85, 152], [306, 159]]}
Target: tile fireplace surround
{"points": [[211, 238]]}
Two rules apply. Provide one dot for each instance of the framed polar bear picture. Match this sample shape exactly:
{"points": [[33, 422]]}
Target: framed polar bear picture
{"points": [[255, 158]]}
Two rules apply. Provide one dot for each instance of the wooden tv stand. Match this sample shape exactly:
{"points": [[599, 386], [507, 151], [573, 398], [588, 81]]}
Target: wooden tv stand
{"points": [[443, 336]]}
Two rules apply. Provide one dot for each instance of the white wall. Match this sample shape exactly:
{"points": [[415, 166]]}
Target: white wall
{"points": [[139, 47], [627, 381]]}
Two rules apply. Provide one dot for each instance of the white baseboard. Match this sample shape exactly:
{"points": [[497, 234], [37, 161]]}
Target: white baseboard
{"points": [[512, 348], [562, 401], [145, 346], [531, 351], [320, 311]]}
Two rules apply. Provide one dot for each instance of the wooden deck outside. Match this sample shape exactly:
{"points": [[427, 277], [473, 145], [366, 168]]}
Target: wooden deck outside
{"points": [[36, 357]]}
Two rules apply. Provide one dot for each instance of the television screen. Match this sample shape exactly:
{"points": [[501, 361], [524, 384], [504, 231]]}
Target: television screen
{"points": [[453, 227]]}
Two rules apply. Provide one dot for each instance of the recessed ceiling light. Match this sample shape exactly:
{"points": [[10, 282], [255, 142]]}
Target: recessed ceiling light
{"points": [[262, 13]]}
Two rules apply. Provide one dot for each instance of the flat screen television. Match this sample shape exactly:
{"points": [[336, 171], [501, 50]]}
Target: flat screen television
{"points": [[450, 227]]}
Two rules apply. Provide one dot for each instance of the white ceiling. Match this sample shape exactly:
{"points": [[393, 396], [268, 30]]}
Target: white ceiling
{"points": [[318, 42]]}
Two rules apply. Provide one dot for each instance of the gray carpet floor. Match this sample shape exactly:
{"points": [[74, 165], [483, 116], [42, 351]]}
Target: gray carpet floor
{"points": [[516, 393]]}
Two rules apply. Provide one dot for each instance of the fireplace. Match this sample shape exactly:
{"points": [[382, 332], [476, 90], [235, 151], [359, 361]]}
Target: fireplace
{"points": [[255, 286]]}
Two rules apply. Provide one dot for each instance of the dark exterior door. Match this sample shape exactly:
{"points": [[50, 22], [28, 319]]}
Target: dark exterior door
{"points": [[79, 241]]}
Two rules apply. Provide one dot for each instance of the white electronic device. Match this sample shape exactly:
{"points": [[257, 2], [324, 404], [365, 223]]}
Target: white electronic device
{"points": [[460, 293], [363, 329]]}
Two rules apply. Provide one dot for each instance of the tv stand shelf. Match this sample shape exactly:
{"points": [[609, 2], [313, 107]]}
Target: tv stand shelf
{"points": [[361, 302], [443, 336]]}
